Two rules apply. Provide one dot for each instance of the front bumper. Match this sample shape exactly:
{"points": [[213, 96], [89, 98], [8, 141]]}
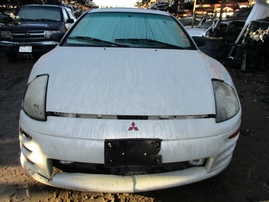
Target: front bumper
{"points": [[53, 140], [37, 47], [124, 184]]}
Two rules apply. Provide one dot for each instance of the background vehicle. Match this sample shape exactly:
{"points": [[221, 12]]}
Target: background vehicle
{"points": [[202, 27], [29, 32]]}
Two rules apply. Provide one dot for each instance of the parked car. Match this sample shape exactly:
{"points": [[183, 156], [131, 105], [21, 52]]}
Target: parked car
{"points": [[139, 108], [201, 29], [29, 32], [233, 32], [163, 6], [227, 29]]}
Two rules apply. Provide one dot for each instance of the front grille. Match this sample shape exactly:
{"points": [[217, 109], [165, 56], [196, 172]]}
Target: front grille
{"points": [[28, 35], [126, 171], [129, 117]]}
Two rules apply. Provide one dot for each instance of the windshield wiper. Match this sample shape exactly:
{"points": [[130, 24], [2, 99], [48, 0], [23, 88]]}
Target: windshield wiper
{"points": [[23, 19], [148, 41], [33, 20], [87, 38], [43, 19]]}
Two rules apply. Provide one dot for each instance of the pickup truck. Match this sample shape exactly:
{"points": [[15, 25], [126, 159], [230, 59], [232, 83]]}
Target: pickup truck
{"points": [[30, 30]]}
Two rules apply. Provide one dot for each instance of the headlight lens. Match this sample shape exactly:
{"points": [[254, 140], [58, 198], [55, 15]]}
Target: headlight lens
{"points": [[5, 34], [227, 103], [48, 33], [34, 102]]}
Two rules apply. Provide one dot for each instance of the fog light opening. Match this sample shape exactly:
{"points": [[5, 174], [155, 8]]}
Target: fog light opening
{"points": [[29, 161], [25, 134], [197, 162], [235, 134]]}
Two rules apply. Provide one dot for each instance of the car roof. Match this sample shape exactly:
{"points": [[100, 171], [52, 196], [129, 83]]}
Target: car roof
{"points": [[129, 10], [42, 5]]}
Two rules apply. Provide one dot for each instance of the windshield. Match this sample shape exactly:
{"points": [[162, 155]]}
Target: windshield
{"points": [[37, 13], [128, 29]]}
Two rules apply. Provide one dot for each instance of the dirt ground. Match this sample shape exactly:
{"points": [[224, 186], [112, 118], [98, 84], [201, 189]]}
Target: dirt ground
{"points": [[245, 179]]}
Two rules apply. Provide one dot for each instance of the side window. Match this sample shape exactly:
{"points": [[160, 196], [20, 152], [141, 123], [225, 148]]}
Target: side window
{"points": [[65, 15]]}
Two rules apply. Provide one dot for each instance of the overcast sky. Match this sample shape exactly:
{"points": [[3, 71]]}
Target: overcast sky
{"points": [[115, 3]]}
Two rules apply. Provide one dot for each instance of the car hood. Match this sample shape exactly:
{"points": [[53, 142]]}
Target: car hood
{"points": [[129, 81], [32, 25], [196, 31]]}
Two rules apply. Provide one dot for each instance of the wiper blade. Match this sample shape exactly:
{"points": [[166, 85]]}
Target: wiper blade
{"points": [[37, 20], [43, 19], [87, 38], [148, 41], [24, 19]]}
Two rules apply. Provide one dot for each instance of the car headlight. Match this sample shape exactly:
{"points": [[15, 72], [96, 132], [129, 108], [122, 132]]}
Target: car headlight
{"points": [[226, 100], [48, 33], [34, 101], [4, 34]]}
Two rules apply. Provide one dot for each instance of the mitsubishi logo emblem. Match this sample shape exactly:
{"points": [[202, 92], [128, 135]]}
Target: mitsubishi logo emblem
{"points": [[133, 127]]}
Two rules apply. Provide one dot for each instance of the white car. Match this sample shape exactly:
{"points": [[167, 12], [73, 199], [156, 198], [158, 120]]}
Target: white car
{"points": [[127, 103], [203, 27]]}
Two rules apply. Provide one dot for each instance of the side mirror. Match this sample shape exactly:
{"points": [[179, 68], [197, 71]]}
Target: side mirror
{"points": [[199, 41], [70, 20], [57, 36]]}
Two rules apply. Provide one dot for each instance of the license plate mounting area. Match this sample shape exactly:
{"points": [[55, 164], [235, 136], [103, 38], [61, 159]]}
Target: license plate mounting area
{"points": [[25, 49], [132, 153]]}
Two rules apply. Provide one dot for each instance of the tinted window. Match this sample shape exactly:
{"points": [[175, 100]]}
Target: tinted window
{"points": [[39, 12]]}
